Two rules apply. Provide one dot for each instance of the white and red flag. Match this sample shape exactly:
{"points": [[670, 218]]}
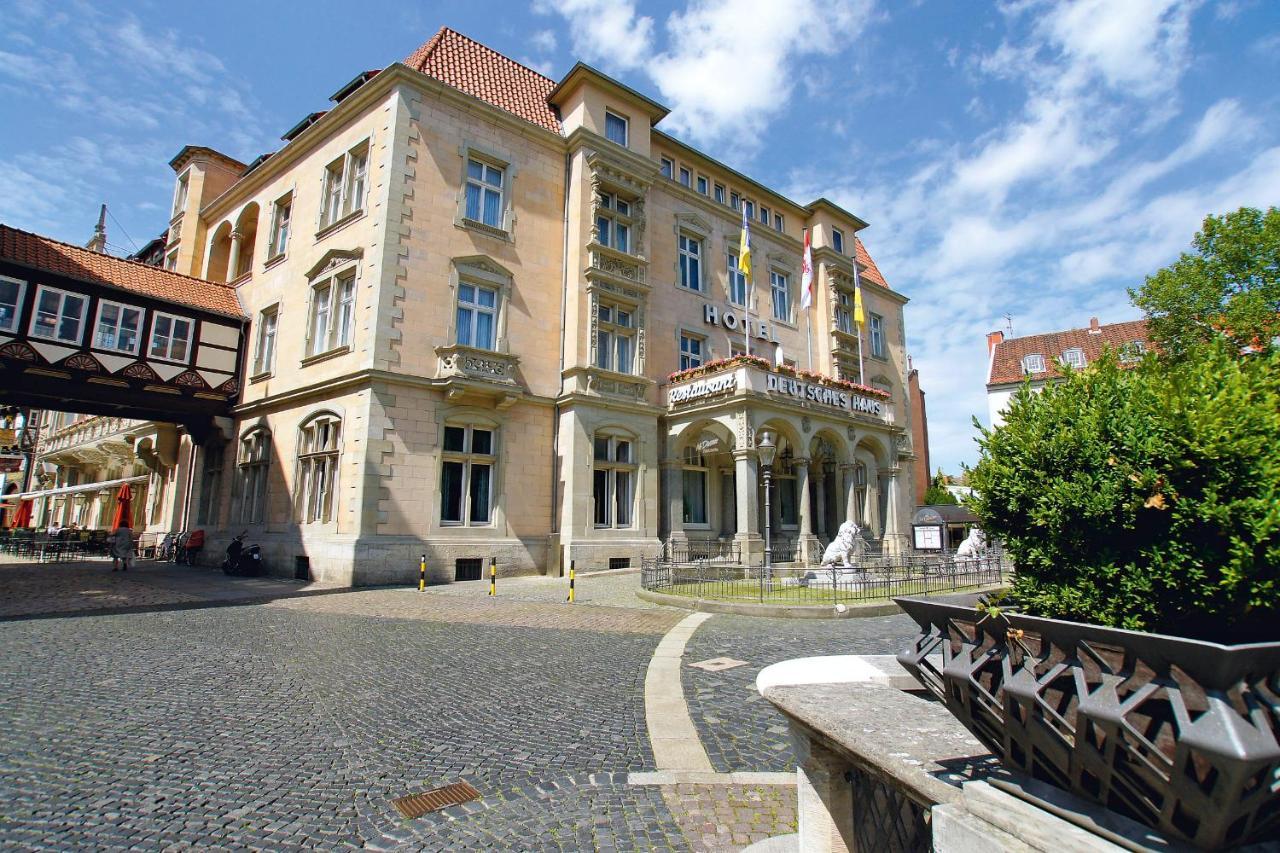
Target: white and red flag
{"points": [[806, 274]]}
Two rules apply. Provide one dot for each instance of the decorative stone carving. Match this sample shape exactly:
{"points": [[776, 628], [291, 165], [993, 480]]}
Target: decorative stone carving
{"points": [[806, 424], [615, 266], [471, 363], [615, 387]]}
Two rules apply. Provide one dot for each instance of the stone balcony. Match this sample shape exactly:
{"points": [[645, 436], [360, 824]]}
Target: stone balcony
{"points": [[467, 370]]}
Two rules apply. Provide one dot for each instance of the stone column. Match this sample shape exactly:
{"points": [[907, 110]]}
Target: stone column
{"points": [[850, 471], [807, 547], [673, 494], [871, 510], [233, 259], [820, 511], [892, 540], [824, 801], [746, 477]]}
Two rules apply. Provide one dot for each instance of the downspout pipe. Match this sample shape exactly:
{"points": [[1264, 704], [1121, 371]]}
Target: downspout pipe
{"points": [[564, 309]]}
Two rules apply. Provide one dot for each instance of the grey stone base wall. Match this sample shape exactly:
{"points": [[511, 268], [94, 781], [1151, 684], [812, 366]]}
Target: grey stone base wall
{"points": [[589, 556]]}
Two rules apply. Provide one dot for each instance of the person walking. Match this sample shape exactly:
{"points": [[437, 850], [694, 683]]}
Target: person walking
{"points": [[122, 538]]}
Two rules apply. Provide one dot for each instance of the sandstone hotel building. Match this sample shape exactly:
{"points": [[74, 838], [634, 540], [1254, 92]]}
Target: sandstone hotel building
{"points": [[496, 315]]}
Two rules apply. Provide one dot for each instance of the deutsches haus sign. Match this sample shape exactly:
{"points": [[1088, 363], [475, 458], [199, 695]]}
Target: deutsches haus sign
{"points": [[798, 389], [775, 386]]}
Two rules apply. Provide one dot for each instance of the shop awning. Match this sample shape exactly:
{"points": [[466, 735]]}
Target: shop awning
{"points": [[72, 490]]}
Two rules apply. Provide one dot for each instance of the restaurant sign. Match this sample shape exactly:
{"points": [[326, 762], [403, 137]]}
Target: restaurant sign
{"points": [[800, 390], [703, 388]]}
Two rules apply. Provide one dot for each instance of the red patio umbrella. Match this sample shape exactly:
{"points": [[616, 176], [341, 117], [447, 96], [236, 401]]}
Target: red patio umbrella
{"points": [[124, 514], [23, 517]]}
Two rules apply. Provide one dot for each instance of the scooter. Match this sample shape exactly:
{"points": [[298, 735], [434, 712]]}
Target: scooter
{"points": [[241, 559]]}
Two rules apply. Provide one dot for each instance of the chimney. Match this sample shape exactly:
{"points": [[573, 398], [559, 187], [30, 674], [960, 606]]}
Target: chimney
{"points": [[994, 338], [1094, 328]]}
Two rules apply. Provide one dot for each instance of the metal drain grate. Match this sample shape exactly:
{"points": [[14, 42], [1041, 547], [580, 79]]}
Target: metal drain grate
{"points": [[416, 805]]}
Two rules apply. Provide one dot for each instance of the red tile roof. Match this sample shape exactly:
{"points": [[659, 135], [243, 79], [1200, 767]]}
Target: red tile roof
{"points": [[1006, 361], [870, 272], [483, 73], [43, 253]]}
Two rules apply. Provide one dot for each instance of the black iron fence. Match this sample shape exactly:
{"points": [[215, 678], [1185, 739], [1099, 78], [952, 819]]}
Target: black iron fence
{"points": [[874, 578]]}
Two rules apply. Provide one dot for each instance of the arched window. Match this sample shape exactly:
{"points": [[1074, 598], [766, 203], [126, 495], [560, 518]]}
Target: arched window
{"points": [[318, 467], [211, 482], [466, 474], [613, 478], [253, 462]]}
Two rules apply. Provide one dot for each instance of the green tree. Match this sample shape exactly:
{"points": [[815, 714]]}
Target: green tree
{"points": [[937, 492], [1146, 498], [1228, 287]]}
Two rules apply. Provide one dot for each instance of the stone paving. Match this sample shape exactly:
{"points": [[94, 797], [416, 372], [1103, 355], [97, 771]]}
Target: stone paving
{"points": [[741, 730], [293, 723]]}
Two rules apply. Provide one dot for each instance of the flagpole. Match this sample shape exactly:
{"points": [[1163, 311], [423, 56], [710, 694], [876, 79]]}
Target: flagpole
{"points": [[860, 380], [808, 330], [748, 328]]}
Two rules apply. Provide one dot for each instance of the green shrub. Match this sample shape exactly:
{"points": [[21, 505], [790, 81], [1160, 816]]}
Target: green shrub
{"points": [[1144, 498]]}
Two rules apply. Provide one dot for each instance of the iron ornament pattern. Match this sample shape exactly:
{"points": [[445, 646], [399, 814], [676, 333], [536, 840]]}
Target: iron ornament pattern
{"points": [[1179, 734]]}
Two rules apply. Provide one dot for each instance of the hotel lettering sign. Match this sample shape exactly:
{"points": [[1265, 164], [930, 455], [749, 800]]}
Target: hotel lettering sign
{"points": [[801, 390], [715, 316], [703, 388]]}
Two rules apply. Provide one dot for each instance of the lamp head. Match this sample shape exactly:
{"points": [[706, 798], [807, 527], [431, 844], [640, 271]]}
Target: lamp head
{"points": [[766, 447]]}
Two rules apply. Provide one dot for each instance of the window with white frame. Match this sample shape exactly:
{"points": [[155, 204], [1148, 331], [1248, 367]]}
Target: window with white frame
{"points": [[171, 337], [318, 444], [778, 224], [1132, 351], [686, 177], [615, 128], [281, 213], [345, 182], [737, 281], [694, 482], [171, 260], [477, 316], [119, 327], [702, 184], [780, 288], [1033, 363], [750, 208], [466, 475], [876, 323], [764, 215], [613, 222], [615, 338], [11, 290], [59, 315], [264, 353], [1074, 357], [844, 311], [692, 351], [719, 193], [332, 313], [254, 463], [613, 476], [735, 201], [837, 240], [690, 250], [180, 192], [484, 193], [668, 167]]}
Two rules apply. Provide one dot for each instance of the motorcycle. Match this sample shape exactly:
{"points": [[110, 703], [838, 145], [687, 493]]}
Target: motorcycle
{"points": [[242, 560]]}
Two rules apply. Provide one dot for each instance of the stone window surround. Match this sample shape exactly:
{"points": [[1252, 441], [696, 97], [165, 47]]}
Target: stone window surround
{"points": [[482, 271], [680, 332], [290, 197], [473, 150], [471, 416], [327, 224], [639, 312], [335, 264], [613, 178], [241, 510], [300, 484], [694, 226], [784, 264], [264, 368], [615, 432]]}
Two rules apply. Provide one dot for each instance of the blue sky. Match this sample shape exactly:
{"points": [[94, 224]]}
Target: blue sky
{"points": [[1024, 158]]}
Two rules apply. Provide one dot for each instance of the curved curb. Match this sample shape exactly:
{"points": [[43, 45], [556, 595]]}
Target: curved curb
{"points": [[672, 734], [788, 611]]}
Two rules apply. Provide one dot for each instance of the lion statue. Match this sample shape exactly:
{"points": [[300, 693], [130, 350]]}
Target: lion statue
{"points": [[974, 546], [846, 547]]}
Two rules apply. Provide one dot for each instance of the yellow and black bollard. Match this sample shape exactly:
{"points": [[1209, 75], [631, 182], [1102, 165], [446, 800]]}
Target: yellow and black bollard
{"points": [[493, 576], [422, 574], [571, 581]]}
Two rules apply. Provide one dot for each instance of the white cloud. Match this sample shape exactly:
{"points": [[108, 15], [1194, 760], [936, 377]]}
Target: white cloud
{"points": [[605, 32], [543, 41]]}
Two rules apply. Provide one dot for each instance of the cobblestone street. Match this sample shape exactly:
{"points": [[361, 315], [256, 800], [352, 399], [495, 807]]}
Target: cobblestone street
{"points": [[294, 723]]}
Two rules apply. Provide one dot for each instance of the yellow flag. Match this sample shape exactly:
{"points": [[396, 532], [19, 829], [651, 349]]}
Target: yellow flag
{"points": [[858, 316], [744, 246]]}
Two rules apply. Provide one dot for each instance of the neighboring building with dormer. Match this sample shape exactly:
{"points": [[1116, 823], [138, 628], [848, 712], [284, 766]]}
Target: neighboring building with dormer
{"points": [[1036, 358], [496, 315]]}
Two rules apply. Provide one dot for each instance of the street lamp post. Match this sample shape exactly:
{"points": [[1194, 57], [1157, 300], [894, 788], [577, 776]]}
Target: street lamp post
{"points": [[767, 449]]}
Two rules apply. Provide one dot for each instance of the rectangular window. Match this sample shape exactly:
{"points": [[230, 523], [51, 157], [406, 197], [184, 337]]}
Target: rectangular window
{"points": [[764, 215], [780, 286], [844, 311], [690, 262], [611, 482], [613, 222], [837, 240], [691, 351], [695, 496], [668, 167], [264, 355], [615, 338], [59, 315], [180, 192], [484, 193], [281, 213], [466, 476], [1132, 351], [1033, 363], [11, 290], [210, 484], [345, 181], [702, 184], [615, 128], [737, 282], [255, 461], [118, 327], [750, 207], [778, 223], [877, 335], [171, 261], [171, 337], [332, 313], [735, 201], [318, 450], [719, 191], [477, 316], [685, 176], [1073, 357]]}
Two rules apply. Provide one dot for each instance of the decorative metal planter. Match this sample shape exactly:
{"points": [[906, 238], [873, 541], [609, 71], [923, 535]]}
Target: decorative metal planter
{"points": [[1178, 734]]}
